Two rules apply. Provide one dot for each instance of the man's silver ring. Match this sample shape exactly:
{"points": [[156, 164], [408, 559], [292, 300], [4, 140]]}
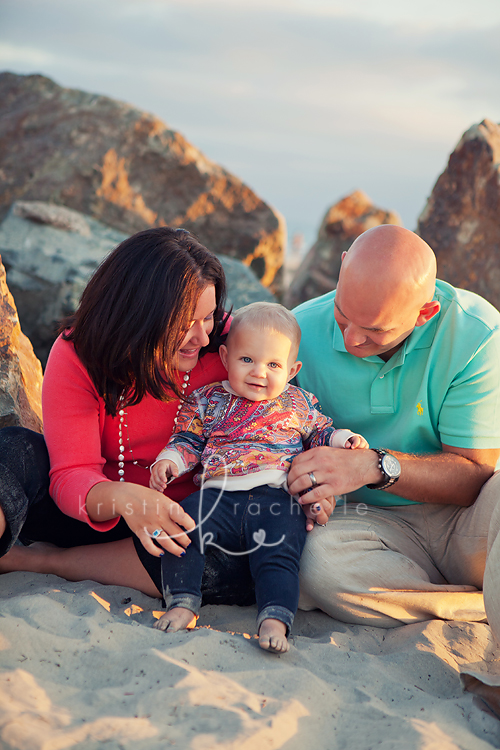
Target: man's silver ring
{"points": [[313, 479], [156, 533]]}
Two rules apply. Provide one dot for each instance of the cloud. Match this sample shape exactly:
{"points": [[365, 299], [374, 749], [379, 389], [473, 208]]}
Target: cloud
{"points": [[425, 14], [12, 54]]}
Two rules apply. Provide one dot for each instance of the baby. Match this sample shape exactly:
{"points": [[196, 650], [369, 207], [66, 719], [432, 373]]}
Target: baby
{"points": [[245, 432]]}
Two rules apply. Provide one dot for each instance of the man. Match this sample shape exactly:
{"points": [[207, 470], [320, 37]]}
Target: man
{"points": [[414, 365]]}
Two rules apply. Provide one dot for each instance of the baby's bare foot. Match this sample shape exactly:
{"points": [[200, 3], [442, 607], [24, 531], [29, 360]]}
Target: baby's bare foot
{"points": [[175, 619], [272, 636]]}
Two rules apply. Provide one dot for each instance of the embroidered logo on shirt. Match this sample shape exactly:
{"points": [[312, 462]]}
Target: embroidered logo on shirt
{"points": [[420, 408]]}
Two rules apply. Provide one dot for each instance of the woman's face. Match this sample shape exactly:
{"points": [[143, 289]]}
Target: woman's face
{"points": [[199, 329]]}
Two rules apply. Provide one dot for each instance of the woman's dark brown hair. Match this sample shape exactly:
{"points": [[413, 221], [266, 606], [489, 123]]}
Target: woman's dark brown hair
{"points": [[136, 310]]}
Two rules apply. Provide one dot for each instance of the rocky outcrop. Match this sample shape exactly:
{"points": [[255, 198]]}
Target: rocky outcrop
{"points": [[343, 222], [50, 253], [461, 221], [20, 370], [127, 169], [243, 287]]}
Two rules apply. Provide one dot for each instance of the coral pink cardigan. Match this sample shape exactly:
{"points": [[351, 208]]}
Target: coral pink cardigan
{"points": [[82, 439]]}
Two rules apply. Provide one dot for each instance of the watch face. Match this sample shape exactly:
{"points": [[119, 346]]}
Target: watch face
{"points": [[391, 466]]}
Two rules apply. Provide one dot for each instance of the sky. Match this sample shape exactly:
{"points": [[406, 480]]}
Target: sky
{"points": [[304, 100]]}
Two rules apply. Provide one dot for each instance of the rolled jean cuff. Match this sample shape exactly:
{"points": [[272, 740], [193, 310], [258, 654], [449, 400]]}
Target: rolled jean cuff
{"points": [[276, 612], [188, 601]]}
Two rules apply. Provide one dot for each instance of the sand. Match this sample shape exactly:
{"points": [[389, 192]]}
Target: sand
{"points": [[81, 666]]}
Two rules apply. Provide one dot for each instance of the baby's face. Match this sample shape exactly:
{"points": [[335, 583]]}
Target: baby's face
{"points": [[258, 363]]}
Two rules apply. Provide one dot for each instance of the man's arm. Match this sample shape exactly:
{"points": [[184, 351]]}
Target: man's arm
{"points": [[454, 476]]}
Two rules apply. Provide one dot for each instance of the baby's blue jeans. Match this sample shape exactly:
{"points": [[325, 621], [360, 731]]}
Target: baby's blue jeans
{"points": [[265, 524]]}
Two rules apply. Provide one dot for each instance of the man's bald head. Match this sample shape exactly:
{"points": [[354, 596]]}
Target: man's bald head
{"points": [[386, 284], [391, 261]]}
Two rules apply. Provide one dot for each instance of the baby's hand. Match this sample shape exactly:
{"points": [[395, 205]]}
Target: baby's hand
{"points": [[357, 441], [161, 473]]}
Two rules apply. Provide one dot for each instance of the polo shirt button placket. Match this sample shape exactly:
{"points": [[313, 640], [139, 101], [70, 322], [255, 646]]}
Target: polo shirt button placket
{"points": [[382, 394]]}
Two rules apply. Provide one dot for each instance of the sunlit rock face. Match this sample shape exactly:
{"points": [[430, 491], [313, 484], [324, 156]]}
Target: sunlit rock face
{"points": [[343, 222], [129, 170], [20, 370], [461, 221]]}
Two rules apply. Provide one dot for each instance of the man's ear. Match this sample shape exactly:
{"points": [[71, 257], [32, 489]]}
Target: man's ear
{"points": [[427, 312], [294, 370], [223, 354]]}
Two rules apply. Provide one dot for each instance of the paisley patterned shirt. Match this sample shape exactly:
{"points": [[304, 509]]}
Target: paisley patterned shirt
{"points": [[233, 437]]}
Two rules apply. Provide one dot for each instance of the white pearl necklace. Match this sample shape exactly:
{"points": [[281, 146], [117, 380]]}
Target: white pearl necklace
{"points": [[121, 448], [184, 386], [122, 413]]}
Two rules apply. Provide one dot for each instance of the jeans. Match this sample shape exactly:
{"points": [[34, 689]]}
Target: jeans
{"points": [[33, 516], [264, 525], [30, 512]]}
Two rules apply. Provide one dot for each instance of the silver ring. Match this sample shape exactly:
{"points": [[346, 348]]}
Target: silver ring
{"points": [[313, 479], [156, 533]]}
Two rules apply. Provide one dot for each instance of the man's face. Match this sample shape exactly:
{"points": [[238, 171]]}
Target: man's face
{"points": [[372, 328]]}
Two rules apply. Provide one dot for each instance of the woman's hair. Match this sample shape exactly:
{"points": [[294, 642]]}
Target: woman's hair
{"points": [[268, 316], [136, 310]]}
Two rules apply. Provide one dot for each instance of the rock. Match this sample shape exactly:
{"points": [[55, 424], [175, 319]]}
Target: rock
{"points": [[47, 266], [461, 221], [50, 253], [242, 284], [127, 169], [20, 370], [57, 216], [343, 222]]}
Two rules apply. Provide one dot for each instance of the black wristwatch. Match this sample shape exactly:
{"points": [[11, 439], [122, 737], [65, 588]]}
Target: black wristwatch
{"points": [[389, 467]]}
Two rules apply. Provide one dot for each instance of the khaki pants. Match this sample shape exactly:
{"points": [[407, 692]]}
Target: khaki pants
{"points": [[389, 567]]}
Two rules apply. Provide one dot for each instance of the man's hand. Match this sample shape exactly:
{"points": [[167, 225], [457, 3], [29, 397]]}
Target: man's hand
{"points": [[453, 475], [336, 471]]}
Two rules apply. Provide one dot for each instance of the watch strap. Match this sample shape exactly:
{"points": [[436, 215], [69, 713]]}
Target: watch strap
{"points": [[387, 481]]}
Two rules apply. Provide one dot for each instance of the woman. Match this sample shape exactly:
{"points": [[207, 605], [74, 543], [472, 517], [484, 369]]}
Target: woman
{"points": [[146, 334]]}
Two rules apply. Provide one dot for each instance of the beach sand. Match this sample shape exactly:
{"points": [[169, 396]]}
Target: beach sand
{"points": [[81, 666]]}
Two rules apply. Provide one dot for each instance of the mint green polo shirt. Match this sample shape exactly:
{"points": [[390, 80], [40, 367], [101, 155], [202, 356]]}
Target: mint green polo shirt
{"points": [[441, 386]]}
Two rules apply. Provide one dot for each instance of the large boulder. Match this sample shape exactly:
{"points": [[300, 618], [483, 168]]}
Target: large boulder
{"points": [[243, 287], [318, 273], [461, 221], [20, 370], [50, 253], [129, 170]]}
